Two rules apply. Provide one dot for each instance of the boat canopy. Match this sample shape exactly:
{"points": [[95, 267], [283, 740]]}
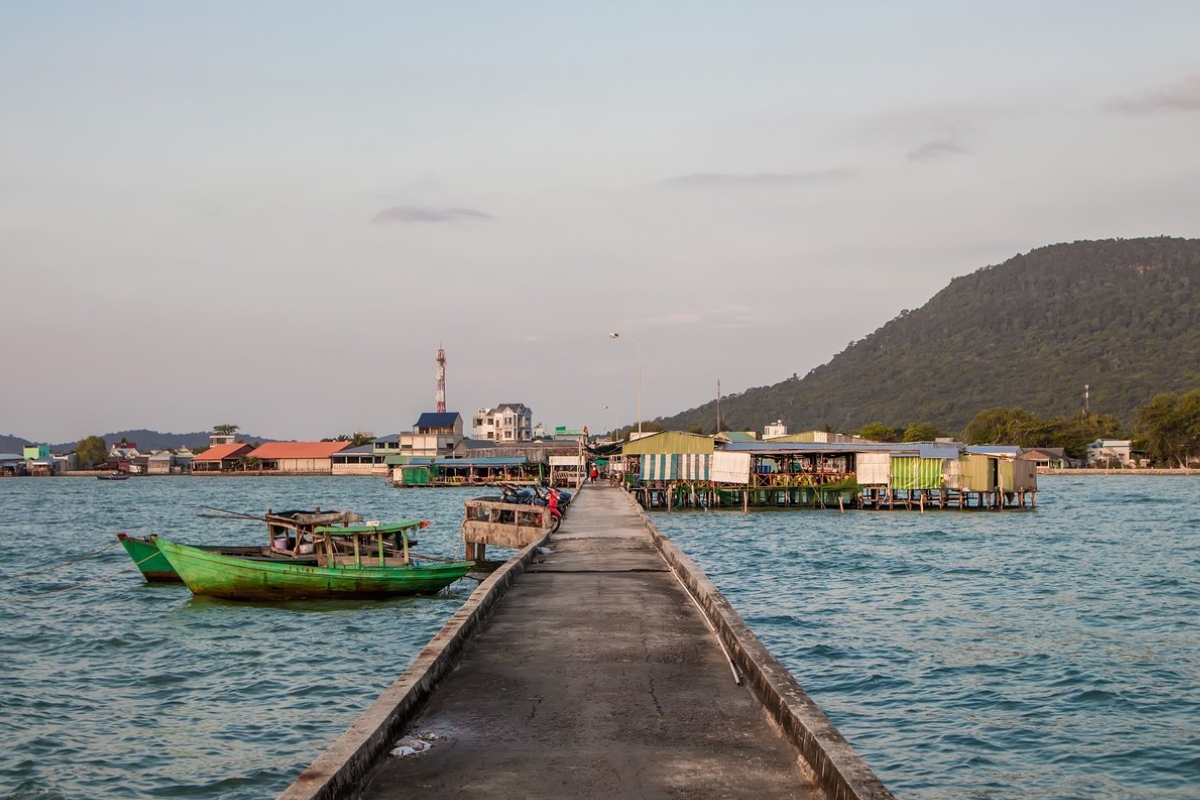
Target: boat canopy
{"points": [[360, 530], [307, 518]]}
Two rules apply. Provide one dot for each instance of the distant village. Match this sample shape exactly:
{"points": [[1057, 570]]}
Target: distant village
{"points": [[504, 446], [505, 432]]}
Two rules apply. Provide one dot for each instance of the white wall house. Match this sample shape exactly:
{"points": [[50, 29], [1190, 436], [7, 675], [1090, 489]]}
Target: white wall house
{"points": [[774, 431], [1110, 451], [506, 423]]}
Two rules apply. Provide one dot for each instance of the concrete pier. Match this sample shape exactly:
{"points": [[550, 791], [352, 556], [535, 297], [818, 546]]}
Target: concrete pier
{"points": [[610, 669]]}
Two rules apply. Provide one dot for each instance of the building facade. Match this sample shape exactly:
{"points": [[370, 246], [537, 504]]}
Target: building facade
{"points": [[1103, 452], [435, 434], [507, 423]]}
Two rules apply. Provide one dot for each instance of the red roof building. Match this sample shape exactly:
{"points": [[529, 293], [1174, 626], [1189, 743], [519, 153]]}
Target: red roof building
{"points": [[220, 458], [311, 458]]}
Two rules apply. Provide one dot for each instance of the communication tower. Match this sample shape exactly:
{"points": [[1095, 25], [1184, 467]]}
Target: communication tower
{"points": [[441, 385]]}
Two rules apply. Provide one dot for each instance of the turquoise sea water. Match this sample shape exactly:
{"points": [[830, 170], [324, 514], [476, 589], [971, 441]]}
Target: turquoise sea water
{"points": [[1046, 654], [120, 689]]}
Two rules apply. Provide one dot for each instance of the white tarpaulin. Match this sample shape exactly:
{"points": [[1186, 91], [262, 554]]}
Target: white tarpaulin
{"points": [[730, 468], [874, 469]]}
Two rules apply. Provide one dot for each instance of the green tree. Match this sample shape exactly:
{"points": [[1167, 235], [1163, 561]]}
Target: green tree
{"points": [[878, 432], [226, 430], [1075, 433], [1011, 426], [1169, 427], [246, 463], [920, 432], [91, 451], [357, 439]]}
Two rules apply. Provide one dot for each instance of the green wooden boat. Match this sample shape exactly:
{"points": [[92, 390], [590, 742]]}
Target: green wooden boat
{"points": [[156, 569], [352, 562], [287, 532], [154, 565]]}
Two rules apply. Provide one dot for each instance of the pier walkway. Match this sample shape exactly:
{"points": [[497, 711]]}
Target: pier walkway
{"points": [[596, 675]]}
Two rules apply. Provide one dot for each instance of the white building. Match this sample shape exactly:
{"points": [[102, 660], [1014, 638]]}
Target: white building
{"points": [[1110, 451], [506, 424], [774, 431]]}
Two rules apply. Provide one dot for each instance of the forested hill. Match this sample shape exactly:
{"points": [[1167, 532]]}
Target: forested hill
{"points": [[1122, 316]]}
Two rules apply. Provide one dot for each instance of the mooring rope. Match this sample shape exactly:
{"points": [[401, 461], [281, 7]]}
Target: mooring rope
{"points": [[67, 563], [104, 577]]}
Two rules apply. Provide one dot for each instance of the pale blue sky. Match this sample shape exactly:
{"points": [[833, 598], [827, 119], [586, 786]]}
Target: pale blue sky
{"points": [[271, 213]]}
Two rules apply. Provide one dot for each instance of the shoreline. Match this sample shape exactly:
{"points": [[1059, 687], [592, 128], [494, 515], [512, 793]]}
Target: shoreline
{"points": [[1147, 471], [1138, 471]]}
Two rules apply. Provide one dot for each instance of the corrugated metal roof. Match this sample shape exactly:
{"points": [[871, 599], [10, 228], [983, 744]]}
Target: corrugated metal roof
{"points": [[994, 450], [366, 449], [669, 442], [432, 419], [818, 447], [275, 450], [482, 444], [490, 461], [921, 449], [404, 461], [219, 452], [1043, 452], [938, 450]]}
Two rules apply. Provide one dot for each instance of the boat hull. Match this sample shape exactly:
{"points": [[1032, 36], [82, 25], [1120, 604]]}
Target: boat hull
{"points": [[145, 554], [216, 575], [156, 569]]}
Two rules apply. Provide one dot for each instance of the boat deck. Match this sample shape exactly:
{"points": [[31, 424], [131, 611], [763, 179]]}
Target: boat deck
{"points": [[596, 675]]}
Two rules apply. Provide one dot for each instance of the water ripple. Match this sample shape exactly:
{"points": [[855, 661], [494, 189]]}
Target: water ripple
{"points": [[121, 689], [1053, 654]]}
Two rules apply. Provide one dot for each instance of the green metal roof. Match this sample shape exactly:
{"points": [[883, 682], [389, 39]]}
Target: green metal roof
{"points": [[669, 442]]}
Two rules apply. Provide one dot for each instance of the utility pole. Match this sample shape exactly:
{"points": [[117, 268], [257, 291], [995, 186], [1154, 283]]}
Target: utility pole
{"points": [[718, 430]]}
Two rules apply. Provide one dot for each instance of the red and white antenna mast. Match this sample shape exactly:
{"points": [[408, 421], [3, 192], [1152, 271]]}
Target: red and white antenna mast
{"points": [[441, 387]]}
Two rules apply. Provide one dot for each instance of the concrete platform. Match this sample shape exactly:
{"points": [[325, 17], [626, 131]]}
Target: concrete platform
{"points": [[596, 675]]}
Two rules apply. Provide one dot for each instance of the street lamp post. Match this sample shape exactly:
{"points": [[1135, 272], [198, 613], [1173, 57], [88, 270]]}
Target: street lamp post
{"points": [[639, 377]]}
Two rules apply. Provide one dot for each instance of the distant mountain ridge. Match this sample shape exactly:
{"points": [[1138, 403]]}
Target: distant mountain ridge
{"points": [[1121, 316], [145, 440]]}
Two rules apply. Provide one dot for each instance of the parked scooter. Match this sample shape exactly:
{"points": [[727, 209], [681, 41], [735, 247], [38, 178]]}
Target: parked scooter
{"points": [[552, 499]]}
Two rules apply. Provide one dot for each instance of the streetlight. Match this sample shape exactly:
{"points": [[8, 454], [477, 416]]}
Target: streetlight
{"points": [[639, 383]]}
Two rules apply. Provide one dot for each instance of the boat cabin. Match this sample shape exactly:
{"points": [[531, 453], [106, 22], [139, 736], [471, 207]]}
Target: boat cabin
{"points": [[365, 546]]}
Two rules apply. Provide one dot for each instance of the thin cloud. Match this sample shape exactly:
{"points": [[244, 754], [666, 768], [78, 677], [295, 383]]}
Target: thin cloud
{"points": [[718, 180], [408, 214], [1182, 96], [929, 133], [937, 148], [725, 316]]}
